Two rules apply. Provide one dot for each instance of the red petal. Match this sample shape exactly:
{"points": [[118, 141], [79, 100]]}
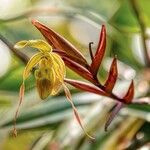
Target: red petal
{"points": [[85, 86], [60, 43], [83, 72], [99, 52], [130, 94], [112, 77]]}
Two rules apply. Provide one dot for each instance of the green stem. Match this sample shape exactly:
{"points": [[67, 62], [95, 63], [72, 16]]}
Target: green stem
{"points": [[140, 19]]}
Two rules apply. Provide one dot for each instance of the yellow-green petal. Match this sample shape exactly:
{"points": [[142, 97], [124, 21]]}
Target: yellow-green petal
{"points": [[59, 66], [39, 44], [59, 61], [34, 60], [57, 84], [21, 44]]}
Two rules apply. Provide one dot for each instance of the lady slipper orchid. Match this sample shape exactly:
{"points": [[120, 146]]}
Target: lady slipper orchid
{"points": [[49, 74], [50, 70]]}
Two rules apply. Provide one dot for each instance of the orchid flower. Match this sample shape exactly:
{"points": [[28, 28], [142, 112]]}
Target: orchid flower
{"points": [[49, 74]]}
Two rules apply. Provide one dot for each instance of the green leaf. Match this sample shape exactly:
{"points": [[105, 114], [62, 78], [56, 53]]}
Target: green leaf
{"points": [[124, 18], [14, 79], [48, 112]]}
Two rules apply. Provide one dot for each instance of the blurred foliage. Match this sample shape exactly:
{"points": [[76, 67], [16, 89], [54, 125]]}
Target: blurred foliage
{"points": [[49, 125]]}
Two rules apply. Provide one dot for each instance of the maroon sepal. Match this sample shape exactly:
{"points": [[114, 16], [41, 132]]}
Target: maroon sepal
{"points": [[112, 77], [98, 57], [60, 43], [130, 94], [85, 86], [83, 72]]}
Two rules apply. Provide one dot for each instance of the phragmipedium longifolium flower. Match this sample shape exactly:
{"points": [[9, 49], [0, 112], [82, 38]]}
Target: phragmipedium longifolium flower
{"points": [[49, 73]]}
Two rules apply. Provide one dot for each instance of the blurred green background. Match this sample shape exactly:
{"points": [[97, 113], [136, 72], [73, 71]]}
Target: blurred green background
{"points": [[50, 125]]}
